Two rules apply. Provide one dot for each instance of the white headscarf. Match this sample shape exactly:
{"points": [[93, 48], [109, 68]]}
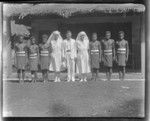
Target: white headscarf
{"points": [[86, 39], [59, 40]]}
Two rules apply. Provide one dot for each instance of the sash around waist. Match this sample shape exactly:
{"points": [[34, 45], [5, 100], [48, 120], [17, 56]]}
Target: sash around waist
{"points": [[44, 54], [121, 50], [94, 50], [21, 53], [34, 55]]}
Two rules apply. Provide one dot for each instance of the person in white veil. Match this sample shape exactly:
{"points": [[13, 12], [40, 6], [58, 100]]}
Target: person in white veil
{"points": [[82, 45], [55, 40]]}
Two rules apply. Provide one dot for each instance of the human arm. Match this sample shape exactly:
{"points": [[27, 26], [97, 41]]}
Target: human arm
{"points": [[100, 52], [127, 51], [113, 49]]}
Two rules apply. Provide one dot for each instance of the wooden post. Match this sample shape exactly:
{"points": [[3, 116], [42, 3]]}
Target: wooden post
{"points": [[142, 44], [7, 67]]}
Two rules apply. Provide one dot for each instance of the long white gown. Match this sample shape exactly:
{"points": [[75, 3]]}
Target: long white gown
{"points": [[83, 65], [56, 56]]}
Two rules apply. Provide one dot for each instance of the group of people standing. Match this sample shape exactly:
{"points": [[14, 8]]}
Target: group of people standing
{"points": [[78, 56]]}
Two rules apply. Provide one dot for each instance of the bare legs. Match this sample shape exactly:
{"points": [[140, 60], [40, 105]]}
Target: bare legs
{"points": [[45, 75], [57, 76], [121, 72], [94, 74], [34, 75], [21, 74], [108, 73]]}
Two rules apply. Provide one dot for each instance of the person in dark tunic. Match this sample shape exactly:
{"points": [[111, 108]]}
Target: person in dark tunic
{"points": [[33, 58], [44, 57], [21, 57], [122, 49], [95, 55], [108, 53]]}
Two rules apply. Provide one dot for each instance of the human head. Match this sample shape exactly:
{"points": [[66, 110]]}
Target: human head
{"points": [[21, 39], [108, 34], [121, 34], [44, 38], [33, 40], [82, 35], [56, 35], [94, 36], [68, 34]]}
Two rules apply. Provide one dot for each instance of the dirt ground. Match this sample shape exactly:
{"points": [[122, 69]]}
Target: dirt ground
{"points": [[74, 99]]}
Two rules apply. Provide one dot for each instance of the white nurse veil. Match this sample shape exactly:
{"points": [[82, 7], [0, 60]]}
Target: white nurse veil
{"points": [[86, 39], [51, 37]]}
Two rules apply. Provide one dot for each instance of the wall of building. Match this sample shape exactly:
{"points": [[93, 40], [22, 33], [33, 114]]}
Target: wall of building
{"points": [[138, 42]]}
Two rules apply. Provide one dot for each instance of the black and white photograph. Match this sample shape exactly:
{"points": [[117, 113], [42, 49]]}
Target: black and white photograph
{"points": [[73, 60]]}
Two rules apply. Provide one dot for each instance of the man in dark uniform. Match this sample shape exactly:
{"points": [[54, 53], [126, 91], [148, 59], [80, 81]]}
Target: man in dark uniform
{"points": [[95, 55], [33, 58], [108, 53], [21, 57], [44, 57], [122, 49]]}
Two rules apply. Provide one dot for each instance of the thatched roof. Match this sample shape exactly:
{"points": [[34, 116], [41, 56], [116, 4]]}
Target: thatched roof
{"points": [[67, 10]]}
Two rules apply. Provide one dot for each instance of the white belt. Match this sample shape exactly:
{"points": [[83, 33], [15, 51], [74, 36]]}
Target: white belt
{"points": [[44, 52], [21, 53], [108, 53], [94, 50], [33, 55], [121, 49]]}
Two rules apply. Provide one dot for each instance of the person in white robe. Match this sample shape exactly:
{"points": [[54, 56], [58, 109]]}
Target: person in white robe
{"points": [[70, 56], [55, 40], [83, 65]]}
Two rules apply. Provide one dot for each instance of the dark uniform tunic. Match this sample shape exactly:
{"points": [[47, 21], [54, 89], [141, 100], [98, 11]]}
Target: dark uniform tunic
{"points": [[44, 57], [122, 52], [108, 47], [33, 57], [21, 55], [95, 54]]}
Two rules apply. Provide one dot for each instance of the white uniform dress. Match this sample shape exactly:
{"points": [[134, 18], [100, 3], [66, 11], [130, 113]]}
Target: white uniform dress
{"points": [[83, 65], [56, 56], [70, 55]]}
